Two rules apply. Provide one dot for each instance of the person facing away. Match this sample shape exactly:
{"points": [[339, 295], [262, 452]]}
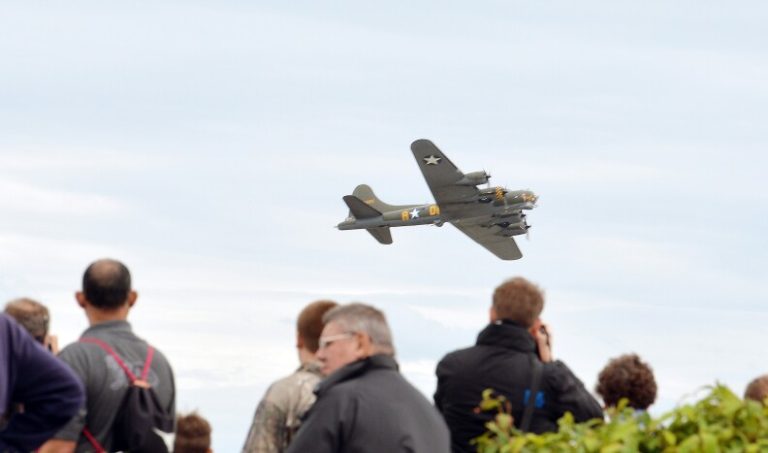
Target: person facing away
{"points": [[627, 377], [193, 434], [364, 404], [107, 299], [513, 357], [757, 390], [33, 316], [279, 413], [38, 392]]}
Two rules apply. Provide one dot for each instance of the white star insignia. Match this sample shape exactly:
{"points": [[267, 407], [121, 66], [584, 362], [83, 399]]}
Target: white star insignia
{"points": [[432, 160], [415, 213]]}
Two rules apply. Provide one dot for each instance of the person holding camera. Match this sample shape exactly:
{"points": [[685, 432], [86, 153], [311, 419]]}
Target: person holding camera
{"points": [[512, 356]]}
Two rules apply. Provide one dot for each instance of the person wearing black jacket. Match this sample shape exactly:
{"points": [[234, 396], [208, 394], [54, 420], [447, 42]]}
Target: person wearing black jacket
{"points": [[512, 356], [365, 405]]}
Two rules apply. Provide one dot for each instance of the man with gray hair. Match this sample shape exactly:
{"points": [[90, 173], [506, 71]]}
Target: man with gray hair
{"points": [[365, 404]]}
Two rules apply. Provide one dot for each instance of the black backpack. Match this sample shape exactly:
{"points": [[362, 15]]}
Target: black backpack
{"points": [[140, 413]]}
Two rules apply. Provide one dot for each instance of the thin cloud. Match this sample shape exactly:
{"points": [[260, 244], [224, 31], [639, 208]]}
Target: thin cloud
{"points": [[18, 198], [59, 159]]}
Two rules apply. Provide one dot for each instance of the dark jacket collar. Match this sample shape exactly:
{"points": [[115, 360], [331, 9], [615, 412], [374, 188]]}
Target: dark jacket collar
{"points": [[355, 370], [507, 334]]}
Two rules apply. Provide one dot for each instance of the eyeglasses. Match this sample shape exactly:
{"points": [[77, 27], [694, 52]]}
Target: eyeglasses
{"points": [[330, 339]]}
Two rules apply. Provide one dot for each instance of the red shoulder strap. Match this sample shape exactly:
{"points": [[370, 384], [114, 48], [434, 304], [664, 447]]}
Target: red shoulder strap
{"points": [[95, 443], [132, 377]]}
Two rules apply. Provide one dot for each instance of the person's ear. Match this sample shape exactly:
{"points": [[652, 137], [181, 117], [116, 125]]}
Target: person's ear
{"points": [[534, 329], [80, 298], [299, 341], [132, 296], [364, 345], [492, 314]]}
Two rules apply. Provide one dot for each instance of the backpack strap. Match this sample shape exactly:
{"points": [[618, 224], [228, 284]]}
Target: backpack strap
{"points": [[132, 377], [95, 443], [147, 363], [108, 349], [142, 382], [530, 405]]}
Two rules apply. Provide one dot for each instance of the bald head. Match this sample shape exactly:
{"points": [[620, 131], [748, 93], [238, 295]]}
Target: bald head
{"points": [[107, 284]]}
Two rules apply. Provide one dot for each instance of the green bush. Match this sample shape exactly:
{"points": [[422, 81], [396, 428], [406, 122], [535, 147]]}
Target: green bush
{"points": [[719, 422]]}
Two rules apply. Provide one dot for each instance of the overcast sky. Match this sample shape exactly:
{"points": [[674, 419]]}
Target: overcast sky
{"points": [[208, 145]]}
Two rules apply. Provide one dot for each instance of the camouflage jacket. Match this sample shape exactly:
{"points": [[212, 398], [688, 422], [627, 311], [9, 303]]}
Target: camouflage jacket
{"points": [[279, 413]]}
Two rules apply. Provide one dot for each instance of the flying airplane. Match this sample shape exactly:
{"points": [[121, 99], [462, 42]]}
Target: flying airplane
{"points": [[490, 216]]}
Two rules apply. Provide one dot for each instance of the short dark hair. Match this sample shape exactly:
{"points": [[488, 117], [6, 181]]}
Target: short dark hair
{"points": [[310, 323], [193, 434], [627, 377], [32, 315], [757, 390], [518, 300], [107, 283]]}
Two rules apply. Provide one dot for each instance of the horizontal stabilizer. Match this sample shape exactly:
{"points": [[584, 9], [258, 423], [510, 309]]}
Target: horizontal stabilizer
{"points": [[381, 234], [360, 209]]}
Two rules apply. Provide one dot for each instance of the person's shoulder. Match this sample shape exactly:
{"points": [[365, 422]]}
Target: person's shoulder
{"points": [[11, 332], [346, 389], [457, 359], [558, 376], [74, 350], [297, 382], [460, 353], [158, 355], [5, 321], [370, 382], [299, 378]]}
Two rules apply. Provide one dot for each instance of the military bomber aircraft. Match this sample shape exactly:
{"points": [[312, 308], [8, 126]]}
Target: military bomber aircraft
{"points": [[490, 216]]}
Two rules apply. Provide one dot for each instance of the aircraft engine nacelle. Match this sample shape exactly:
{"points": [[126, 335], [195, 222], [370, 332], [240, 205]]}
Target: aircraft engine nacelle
{"points": [[521, 199], [474, 179], [492, 194], [509, 229]]}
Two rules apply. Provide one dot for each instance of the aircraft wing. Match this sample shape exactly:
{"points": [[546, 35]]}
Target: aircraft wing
{"points": [[503, 247], [441, 175]]}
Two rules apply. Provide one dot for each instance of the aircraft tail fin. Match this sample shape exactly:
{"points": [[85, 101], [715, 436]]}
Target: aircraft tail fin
{"points": [[381, 234], [365, 193], [359, 209]]}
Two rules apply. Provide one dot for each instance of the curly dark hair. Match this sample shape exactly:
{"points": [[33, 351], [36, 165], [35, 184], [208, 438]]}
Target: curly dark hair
{"points": [[627, 377], [757, 390], [193, 434]]}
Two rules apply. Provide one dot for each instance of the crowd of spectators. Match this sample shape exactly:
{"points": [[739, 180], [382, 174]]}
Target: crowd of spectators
{"points": [[347, 394]]}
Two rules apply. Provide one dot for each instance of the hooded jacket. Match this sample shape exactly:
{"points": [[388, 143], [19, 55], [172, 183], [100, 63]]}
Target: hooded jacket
{"points": [[501, 360]]}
